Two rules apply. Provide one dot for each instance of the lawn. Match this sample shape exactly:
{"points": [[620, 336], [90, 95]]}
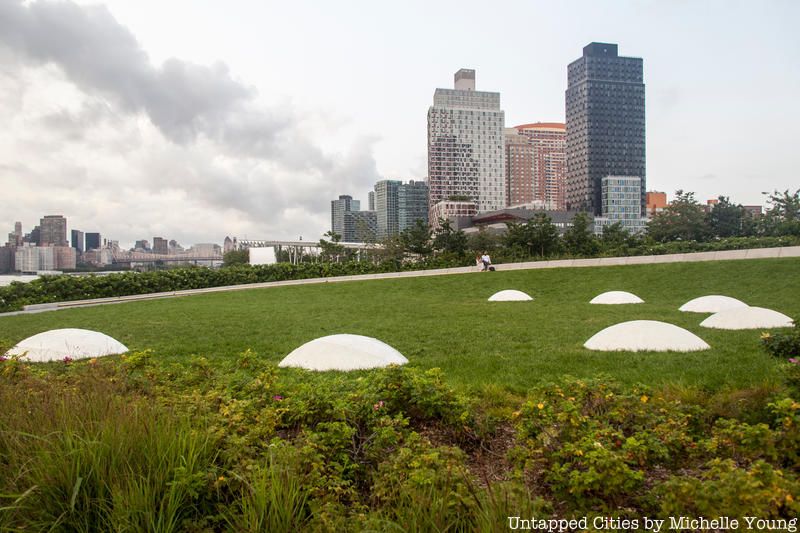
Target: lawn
{"points": [[446, 322]]}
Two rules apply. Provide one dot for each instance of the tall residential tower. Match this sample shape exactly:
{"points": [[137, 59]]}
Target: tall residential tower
{"points": [[465, 146], [605, 124]]}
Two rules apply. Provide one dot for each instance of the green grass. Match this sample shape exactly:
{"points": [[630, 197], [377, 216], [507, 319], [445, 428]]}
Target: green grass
{"points": [[446, 322]]}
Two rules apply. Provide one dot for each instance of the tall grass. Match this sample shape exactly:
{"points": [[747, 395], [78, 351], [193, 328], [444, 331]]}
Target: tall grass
{"points": [[272, 499], [89, 460]]}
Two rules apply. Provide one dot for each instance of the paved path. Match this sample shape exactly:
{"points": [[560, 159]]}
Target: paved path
{"points": [[757, 253]]}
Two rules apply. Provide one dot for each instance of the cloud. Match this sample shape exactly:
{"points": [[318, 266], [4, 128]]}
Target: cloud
{"points": [[209, 141]]}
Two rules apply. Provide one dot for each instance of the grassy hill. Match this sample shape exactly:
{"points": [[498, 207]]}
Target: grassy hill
{"points": [[446, 322]]}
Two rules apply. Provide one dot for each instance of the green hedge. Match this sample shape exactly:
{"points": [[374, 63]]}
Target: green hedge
{"points": [[65, 288]]}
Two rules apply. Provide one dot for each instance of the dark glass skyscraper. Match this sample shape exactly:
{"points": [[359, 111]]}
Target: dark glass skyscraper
{"points": [[605, 123]]}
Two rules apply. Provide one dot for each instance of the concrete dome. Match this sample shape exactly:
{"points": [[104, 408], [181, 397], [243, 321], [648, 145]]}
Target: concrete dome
{"points": [[343, 352], [616, 297], [646, 335], [56, 344], [510, 295], [712, 304], [747, 318]]}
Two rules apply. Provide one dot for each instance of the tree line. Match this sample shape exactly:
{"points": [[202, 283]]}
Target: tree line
{"points": [[684, 225]]}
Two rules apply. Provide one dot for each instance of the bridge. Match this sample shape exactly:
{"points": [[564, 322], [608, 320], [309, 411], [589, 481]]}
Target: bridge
{"points": [[189, 256], [297, 249]]}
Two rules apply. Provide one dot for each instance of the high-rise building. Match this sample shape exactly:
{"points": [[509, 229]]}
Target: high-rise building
{"points": [[64, 257], [15, 238], [53, 231], [160, 245], [142, 245], [519, 168], [412, 204], [621, 203], [399, 205], [605, 124], [549, 141], [93, 241], [78, 241], [386, 207], [465, 145], [34, 258], [361, 226], [371, 200], [344, 204]]}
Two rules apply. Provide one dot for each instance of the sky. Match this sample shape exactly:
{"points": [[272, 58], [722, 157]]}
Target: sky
{"points": [[197, 119]]}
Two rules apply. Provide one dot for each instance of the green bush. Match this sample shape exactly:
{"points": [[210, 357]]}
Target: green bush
{"points": [[785, 345], [137, 443]]}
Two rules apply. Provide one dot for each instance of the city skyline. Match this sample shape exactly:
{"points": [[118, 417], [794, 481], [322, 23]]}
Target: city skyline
{"points": [[200, 138]]}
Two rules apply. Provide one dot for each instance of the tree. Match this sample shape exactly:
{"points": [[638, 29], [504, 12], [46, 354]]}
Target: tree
{"points": [[538, 236], [544, 235], [417, 238], [728, 220], [391, 249], [449, 240], [579, 239], [614, 237], [783, 215], [331, 250], [236, 257], [482, 240], [683, 219]]}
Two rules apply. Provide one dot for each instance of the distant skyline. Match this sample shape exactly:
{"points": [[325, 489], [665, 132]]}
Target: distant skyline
{"points": [[194, 119]]}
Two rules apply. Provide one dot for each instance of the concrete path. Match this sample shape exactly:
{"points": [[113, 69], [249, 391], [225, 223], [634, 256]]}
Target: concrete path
{"points": [[757, 253]]}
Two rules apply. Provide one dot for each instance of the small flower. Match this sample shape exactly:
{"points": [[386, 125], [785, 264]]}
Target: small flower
{"points": [[516, 414], [540, 406], [3, 358], [221, 478], [794, 360], [277, 397], [644, 398], [93, 361], [378, 405], [765, 335], [67, 360]]}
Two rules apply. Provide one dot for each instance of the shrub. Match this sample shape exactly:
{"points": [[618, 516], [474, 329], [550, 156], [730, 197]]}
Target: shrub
{"points": [[785, 345]]}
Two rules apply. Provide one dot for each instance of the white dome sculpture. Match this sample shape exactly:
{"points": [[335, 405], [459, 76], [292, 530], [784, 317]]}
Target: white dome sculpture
{"points": [[56, 344], [712, 304], [616, 297], [343, 352], [747, 318], [646, 335], [510, 295]]}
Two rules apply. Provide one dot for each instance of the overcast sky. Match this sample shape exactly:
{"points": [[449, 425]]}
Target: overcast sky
{"points": [[196, 119]]}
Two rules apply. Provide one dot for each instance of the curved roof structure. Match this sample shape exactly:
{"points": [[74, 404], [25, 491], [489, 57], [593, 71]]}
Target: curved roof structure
{"points": [[713, 303], [542, 126], [616, 297], [646, 336], [747, 318], [343, 352], [510, 295], [56, 344]]}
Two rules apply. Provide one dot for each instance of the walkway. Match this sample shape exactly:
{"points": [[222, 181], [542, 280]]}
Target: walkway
{"points": [[757, 253]]}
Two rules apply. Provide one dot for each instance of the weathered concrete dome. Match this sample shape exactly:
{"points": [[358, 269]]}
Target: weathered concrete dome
{"points": [[747, 318], [510, 295], [56, 344], [343, 352], [713, 303], [646, 335], [616, 297]]}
